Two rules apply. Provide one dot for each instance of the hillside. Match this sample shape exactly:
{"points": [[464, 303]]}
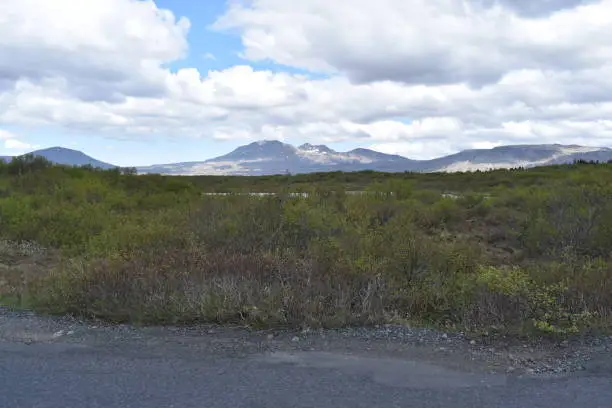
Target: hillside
{"points": [[274, 157], [69, 157]]}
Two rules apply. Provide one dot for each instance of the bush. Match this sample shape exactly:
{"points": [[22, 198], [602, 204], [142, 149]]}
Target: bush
{"points": [[534, 259]]}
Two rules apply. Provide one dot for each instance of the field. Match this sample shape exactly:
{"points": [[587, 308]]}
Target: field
{"points": [[521, 252]]}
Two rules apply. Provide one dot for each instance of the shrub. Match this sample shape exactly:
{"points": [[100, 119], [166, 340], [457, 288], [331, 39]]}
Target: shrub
{"points": [[534, 259]]}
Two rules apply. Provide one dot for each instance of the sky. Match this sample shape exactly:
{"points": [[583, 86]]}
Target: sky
{"points": [[134, 82]]}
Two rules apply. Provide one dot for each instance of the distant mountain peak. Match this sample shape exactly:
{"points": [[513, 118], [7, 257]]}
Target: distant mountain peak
{"points": [[58, 149], [257, 150], [315, 148], [266, 142], [69, 157], [265, 157]]}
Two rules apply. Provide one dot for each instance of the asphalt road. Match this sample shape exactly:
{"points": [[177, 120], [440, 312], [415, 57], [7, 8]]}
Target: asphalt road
{"points": [[48, 362], [64, 375]]}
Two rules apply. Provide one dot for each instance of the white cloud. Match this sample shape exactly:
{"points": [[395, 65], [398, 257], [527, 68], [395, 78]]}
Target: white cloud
{"points": [[93, 49], [15, 144], [11, 142], [5, 135], [422, 41], [421, 78]]}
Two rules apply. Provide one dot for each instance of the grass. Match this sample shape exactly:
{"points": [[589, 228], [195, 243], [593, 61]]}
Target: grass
{"points": [[533, 259]]}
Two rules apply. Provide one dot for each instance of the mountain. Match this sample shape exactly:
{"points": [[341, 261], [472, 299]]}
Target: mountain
{"points": [[516, 156], [274, 157], [69, 157]]}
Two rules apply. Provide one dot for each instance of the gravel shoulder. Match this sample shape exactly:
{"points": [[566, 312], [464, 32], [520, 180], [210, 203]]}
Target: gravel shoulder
{"points": [[451, 350]]}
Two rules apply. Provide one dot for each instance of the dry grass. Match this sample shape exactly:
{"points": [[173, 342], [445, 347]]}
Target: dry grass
{"points": [[22, 263], [190, 285]]}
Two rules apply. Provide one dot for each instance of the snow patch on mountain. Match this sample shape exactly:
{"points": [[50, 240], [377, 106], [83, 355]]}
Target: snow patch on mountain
{"points": [[318, 155], [275, 157], [567, 150], [558, 152]]}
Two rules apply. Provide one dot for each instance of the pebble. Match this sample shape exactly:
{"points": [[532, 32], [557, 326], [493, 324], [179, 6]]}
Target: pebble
{"points": [[58, 334], [514, 360]]}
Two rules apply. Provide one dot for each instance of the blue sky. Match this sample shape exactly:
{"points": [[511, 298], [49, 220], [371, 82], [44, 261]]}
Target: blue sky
{"points": [[127, 83]]}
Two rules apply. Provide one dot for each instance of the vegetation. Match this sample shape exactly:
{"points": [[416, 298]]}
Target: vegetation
{"points": [[514, 251]]}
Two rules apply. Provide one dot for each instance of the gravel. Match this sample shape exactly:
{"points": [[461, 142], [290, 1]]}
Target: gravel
{"points": [[543, 359]]}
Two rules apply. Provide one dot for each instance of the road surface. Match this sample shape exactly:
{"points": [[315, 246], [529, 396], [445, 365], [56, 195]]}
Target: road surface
{"points": [[163, 368]]}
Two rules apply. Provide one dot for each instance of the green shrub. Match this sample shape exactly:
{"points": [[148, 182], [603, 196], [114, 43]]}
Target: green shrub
{"points": [[534, 259]]}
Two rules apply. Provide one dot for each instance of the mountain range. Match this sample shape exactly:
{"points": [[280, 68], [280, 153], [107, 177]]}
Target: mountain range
{"points": [[70, 157], [274, 157]]}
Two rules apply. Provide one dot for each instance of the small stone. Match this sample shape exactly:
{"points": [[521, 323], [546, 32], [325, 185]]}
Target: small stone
{"points": [[445, 336], [70, 333], [58, 334], [530, 371], [270, 336], [511, 369], [473, 342], [211, 331], [295, 339]]}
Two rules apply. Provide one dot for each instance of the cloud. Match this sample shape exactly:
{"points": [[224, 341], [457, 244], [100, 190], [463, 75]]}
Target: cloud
{"points": [[541, 8], [5, 134], [11, 141], [424, 41], [95, 50], [424, 80], [15, 144]]}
